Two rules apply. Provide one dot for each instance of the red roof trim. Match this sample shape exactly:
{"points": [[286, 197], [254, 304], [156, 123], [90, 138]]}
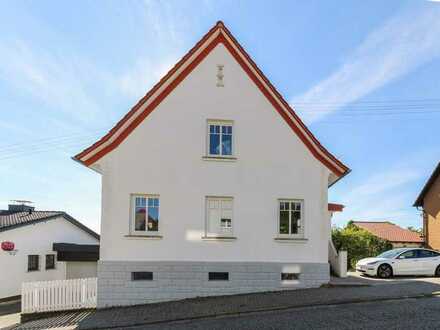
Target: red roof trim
{"points": [[332, 207], [313, 144]]}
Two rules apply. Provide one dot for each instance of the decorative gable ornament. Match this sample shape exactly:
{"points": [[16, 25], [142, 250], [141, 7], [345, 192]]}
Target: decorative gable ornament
{"points": [[220, 75], [219, 34]]}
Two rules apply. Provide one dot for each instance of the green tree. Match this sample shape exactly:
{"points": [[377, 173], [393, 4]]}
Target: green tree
{"points": [[358, 243]]}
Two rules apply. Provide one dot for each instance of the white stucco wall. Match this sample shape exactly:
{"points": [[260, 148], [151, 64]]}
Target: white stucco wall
{"points": [[36, 239], [81, 269], [164, 156]]}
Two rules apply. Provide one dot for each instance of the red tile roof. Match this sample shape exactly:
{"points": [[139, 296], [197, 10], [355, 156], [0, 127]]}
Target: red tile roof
{"points": [[11, 220], [389, 231], [333, 207]]}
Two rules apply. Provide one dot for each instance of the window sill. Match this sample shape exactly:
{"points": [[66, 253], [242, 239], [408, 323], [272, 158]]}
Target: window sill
{"points": [[290, 239], [219, 238], [152, 237], [220, 158]]}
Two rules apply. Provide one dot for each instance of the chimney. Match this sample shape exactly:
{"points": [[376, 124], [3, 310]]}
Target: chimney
{"points": [[21, 206]]}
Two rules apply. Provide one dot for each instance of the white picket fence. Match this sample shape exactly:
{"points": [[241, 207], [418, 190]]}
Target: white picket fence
{"points": [[48, 296]]}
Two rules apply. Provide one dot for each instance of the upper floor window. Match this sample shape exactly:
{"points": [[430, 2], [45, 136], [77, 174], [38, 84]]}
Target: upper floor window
{"points": [[145, 214], [291, 218], [218, 216], [220, 141]]}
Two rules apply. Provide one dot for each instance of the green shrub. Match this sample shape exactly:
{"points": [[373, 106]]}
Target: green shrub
{"points": [[358, 243]]}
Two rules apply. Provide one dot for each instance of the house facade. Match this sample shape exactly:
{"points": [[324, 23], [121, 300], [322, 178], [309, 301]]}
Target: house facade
{"points": [[211, 185], [33, 237], [399, 237], [429, 202]]}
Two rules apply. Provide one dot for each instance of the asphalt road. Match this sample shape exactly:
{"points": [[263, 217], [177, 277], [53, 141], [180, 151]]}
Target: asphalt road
{"points": [[420, 313]]}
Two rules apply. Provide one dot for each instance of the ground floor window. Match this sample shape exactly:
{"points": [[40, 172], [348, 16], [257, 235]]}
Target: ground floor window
{"points": [[33, 262], [145, 214], [219, 220], [291, 217], [50, 261]]}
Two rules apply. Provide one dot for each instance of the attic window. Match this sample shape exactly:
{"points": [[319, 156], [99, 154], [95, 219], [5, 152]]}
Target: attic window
{"points": [[220, 139]]}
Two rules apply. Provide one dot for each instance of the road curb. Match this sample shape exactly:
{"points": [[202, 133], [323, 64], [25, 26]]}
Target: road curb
{"points": [[271, 309]]}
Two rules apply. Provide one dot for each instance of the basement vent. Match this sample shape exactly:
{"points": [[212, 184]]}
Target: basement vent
{"points": [[142, 276], [218, 276], [289, 276]]}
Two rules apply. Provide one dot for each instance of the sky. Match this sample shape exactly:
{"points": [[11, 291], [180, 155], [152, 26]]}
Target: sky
{"points": [[364, 76]]}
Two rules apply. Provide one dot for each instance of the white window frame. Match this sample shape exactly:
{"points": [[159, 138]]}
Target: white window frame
{"points": [[145, 232], [230, 232], [220, 122], [301, 231]]}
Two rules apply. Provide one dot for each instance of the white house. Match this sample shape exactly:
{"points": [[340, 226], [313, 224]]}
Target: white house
{"points": [[211, 185], [46, 245]]}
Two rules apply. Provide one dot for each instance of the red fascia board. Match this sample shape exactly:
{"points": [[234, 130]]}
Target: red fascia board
{"points": [[332, 207]]}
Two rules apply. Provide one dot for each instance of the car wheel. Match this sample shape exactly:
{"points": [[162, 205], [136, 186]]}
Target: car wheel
{"points": [[437, 271], [384, 271]]}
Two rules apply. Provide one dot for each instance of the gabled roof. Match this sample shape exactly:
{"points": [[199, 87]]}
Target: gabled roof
{"points": [[11, 220], [219, 34], [428, 185], [389, 231]]}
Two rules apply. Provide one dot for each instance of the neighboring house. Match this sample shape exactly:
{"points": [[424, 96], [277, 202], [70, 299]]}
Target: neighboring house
{"points": [[429, 201], [397, 236], [211, 185], [37, 253]]}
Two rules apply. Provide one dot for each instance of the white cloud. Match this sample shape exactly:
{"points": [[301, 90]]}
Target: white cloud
{"points": [[384, 196], [52, 78], [403, 43]]}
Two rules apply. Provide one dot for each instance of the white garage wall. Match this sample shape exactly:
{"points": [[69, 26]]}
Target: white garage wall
{"points": [[81, 269]]}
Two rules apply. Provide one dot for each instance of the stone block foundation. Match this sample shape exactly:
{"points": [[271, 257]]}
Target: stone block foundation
{"points": [[175, 280]]}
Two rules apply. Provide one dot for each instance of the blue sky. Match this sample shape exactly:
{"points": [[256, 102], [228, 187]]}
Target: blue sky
{"points": [[364, 75]]}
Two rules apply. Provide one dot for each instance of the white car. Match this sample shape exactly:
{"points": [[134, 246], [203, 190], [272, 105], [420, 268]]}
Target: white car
{"points": [[404, 261]]}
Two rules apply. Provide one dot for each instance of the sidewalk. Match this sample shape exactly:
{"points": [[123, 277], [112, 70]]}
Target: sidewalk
{"points": [[234, 305]]}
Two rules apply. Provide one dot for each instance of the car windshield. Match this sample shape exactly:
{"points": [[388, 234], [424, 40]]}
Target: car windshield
{"points": [[391, 253]]}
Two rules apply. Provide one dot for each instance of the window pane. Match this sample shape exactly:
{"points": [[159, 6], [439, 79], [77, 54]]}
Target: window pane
{"points": [[153, 218], [225, 223], [409, 254], [426, 254], [139, 221], [140, 201], [284, 222], [33, 262], [295, 222], [227, 144], [214, 144], [50, 261]]}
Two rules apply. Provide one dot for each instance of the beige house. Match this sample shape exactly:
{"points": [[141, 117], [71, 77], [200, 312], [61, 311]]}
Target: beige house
{"points": [[429, 201]]}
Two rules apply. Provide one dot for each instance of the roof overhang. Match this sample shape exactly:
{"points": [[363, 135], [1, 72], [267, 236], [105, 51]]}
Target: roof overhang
{"points": [[76, 252]]}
